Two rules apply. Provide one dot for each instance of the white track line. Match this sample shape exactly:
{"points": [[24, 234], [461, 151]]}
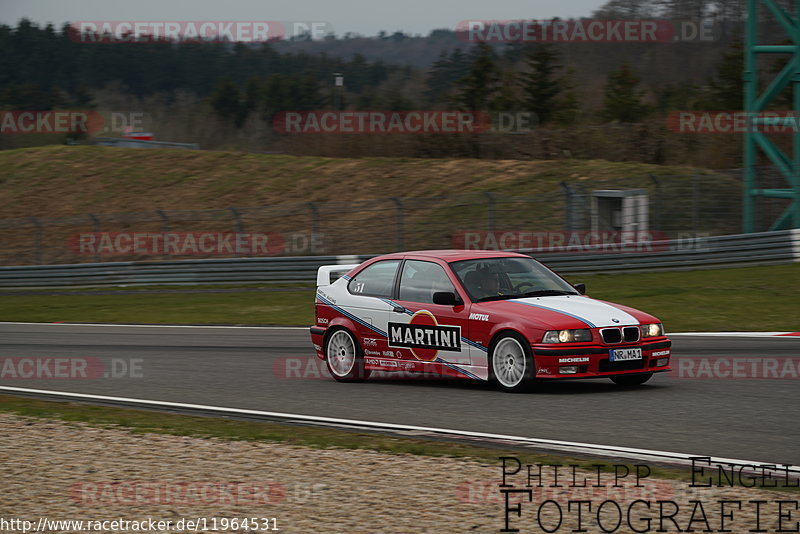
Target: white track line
{"points": [[567, 446], [162, 326]]}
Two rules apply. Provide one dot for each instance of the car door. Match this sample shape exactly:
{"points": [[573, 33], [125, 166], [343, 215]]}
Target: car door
{"points": [[424, 331], [368, 304]]}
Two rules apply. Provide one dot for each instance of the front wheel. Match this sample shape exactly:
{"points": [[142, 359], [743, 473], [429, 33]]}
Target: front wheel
{"points": [[632, 380], [511, 364], [344, 357]]}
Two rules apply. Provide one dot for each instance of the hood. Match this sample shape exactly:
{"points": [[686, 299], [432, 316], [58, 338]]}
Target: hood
{"points": [[574, 311]]}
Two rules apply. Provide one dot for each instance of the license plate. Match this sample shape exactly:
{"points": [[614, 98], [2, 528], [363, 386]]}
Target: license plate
{"points": [[619, 355]]}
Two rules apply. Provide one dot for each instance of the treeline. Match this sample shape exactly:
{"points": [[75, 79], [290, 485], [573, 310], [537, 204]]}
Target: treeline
{"points": [[41, 68], [225, 95]]}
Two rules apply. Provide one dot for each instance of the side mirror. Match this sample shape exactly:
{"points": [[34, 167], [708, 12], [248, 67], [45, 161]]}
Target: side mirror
{"points": [[446, 298], [581, 288]]}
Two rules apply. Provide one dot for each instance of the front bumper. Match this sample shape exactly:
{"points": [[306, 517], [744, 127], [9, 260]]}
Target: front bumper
{"points": [[590, 360]]}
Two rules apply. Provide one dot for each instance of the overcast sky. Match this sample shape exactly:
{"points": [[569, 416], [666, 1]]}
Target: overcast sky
{"points": [[366, 17]]}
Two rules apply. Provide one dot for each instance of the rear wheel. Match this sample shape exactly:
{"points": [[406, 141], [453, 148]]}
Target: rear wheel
{"points": [[632, 380], [344, 357], [511, 366]]}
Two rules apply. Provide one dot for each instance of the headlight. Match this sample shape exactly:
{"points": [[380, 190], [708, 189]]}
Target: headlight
{"points": [[652, 330], [567, 336]]}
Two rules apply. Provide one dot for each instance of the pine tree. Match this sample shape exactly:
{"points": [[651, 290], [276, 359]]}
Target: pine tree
{"points": [[625, 9], [505, 98], [726, 89], [623, 100], [479, 87], [439, 80], [541, 86], [567, 105], [681, 96], [226, 101], [444, 73]]}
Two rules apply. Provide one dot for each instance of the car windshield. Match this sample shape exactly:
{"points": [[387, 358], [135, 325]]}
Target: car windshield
{"points": [[506, 278]]}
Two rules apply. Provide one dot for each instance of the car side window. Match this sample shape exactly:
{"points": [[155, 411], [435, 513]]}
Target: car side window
{"points": [[421, 279], [377, 280]]}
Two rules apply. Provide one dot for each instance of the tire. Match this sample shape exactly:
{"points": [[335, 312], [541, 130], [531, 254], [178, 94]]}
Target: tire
{"points": [[344, 357], [511, 365], [632, 380]]}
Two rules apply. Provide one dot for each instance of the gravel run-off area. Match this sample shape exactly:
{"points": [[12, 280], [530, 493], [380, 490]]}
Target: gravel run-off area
{"points": [[66, 471]]}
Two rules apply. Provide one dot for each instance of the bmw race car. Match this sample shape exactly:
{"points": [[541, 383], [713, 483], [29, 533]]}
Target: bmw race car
{"points": [[483, 315]]}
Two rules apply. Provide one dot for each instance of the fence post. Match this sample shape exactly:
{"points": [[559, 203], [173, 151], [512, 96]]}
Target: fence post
{"points": [[657, 207], [97, 229], [568, 208], [237, 220], [164, 230], [37, 240], [237, 228], [574, 202], [695, 207], [491, 210], [314, 226], [399, 223]]}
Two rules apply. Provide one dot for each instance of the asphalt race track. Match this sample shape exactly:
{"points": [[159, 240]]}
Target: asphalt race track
{"points": [[744, 418]]}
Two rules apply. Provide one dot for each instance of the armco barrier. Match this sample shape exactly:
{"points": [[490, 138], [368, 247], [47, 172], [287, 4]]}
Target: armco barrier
{"points": [[702, 253], [299, 269], [125, 142]]}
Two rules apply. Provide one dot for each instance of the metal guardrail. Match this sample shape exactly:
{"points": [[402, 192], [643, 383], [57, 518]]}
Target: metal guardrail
{"points": [[228, 270], [700, 253], [125, 142], [704, 253]]}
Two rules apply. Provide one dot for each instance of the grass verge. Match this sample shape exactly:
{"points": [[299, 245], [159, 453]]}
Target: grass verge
{"points": [[753, 298], [238, 307]]}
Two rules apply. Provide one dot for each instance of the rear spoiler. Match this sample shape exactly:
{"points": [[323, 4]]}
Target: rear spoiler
{"points": [[324, 272]]}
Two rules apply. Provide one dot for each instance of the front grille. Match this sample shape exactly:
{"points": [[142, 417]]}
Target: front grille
{"points": [[607, 366], [611, 335], [631, 333]]}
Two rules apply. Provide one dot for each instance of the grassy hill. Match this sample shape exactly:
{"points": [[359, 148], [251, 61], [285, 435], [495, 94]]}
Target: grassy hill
{"points": [[58, 181]]}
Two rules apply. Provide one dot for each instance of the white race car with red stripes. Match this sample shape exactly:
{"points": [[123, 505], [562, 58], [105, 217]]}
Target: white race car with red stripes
{"points": [[482, 315]]}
